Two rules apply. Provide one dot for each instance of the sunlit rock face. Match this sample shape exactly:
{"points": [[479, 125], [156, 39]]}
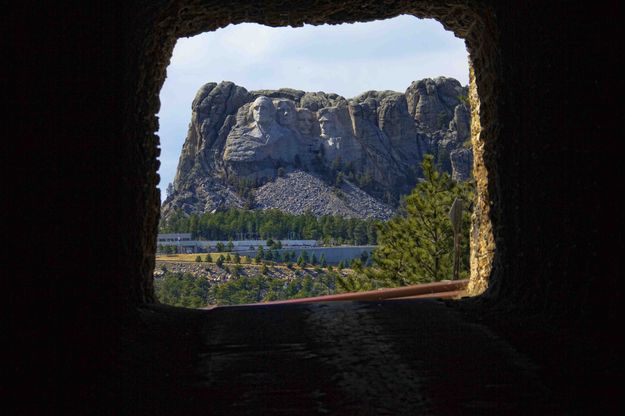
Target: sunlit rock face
{"points": [[255, 149], [239, 141]]}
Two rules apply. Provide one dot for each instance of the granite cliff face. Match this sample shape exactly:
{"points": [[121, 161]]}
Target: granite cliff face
{"points": [[311, 151]]}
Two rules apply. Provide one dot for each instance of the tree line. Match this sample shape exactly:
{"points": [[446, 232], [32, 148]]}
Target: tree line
{"points": [[272, 256], [239, 224], [187, 290]]}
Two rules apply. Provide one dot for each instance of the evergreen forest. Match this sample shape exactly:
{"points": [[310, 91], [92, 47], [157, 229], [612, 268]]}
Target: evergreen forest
{"points": [[238, 224]]}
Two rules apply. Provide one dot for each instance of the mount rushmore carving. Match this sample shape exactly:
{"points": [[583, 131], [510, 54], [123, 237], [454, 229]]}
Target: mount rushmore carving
{"points": [[329, 154]]}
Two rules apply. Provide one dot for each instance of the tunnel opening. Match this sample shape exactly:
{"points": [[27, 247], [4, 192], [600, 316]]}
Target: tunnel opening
{"points": [[464, 24], [430, 117]]}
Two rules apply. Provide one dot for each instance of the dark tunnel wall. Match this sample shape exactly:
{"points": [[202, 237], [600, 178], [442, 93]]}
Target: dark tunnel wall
{"points": [[560, 146], [83, 159]]}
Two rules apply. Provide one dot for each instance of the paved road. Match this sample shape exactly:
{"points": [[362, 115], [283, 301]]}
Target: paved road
{"points": [[345, 358]]}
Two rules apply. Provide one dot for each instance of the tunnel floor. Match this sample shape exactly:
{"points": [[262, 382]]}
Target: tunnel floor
{"points": [[353, 358]]}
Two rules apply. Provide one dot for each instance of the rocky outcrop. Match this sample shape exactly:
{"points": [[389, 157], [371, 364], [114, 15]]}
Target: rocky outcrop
{"points": [[311, 151], [301, 192], [461, 164]]}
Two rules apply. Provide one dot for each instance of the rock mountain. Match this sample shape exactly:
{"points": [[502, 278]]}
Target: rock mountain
{"points": [[312, 151]]}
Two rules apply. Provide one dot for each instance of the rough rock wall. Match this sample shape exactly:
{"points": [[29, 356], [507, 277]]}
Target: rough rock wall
{"points": [[481, 234], [239, 140], [559, 223]]}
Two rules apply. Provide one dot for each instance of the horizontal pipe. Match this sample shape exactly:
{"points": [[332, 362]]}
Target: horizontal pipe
{"points": [[423, 290], [437, 295]]}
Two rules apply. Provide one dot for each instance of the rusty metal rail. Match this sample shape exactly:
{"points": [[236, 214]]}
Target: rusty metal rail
{"points": [[444, 289]]}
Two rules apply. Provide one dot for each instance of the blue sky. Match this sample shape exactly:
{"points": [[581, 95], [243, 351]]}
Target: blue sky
{"points": [[345, 59]]}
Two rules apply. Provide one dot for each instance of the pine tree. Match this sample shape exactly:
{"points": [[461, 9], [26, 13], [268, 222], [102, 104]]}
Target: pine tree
{"points": [[364, 256], [230, 245], [356, 264], [417, 245], [277, 257]]}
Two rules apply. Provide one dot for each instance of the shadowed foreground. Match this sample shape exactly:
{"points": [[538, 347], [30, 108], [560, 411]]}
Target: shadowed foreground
{"points": [[365, 358]]}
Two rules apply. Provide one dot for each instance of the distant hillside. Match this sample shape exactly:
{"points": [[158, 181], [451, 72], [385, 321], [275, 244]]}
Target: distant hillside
{"points": [[315, 152]]}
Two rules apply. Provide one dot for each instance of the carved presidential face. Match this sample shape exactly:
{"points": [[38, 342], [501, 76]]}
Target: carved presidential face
{"points": [[305, 121], [328, 125], [263, 110], [286, 113]]}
